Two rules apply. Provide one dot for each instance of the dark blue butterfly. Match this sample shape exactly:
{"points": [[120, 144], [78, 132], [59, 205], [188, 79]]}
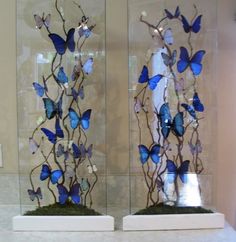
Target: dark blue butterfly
{"points": [[167, 124], [52, 108], [40, 90], [51, 136], [53, 175], [76, 94], [75, 120], [61, 151], [196, 106], [145, 153], [64, 194], [76, 151], [61, 45], [152, 82], [61, 76], [194, 62], [195, 27], [173, 171], [169, 15]]}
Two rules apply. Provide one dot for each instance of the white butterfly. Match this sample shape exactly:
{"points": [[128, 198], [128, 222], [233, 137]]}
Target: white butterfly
{"points": [[92, 169], [42, 21], [168, 37]]}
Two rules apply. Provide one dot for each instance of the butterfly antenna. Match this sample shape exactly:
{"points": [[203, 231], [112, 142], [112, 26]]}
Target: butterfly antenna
{"points": [[196, 12]]}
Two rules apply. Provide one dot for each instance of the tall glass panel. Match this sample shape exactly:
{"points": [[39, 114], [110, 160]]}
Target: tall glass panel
{"points": [[61, 104], [172, 89]]}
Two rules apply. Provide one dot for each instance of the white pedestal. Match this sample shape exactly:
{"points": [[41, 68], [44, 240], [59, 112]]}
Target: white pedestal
{"points": [[63, 223], [173, 221]]}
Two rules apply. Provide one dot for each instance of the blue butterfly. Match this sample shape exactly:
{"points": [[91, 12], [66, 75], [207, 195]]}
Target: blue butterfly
{"points": [[61, 45], [169, 15], [195, 27], [75, 120], [61, 76], [76, 94], [167, 124], [88, 66], [61, 151], [194, 62], [53, 175], [145, 153], [76, 151], [51, 136], [196, 106], [152, 82], [173, 171], [40, 90], [52, 108], [64, 194], [35, 194]]}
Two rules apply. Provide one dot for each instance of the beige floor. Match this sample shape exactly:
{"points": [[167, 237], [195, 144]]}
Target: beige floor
{"points": [[7, 235]]}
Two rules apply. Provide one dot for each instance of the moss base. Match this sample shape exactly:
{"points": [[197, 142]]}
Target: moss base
{"points": [[57, 209], [165, 209]]}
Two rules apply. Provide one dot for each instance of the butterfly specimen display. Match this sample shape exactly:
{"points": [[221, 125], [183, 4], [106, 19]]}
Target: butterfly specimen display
{"points": [[167, 108], [65, 169]]}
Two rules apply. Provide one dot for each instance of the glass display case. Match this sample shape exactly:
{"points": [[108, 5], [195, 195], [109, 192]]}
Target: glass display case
{"points": [[61, 107], [172, 93]]}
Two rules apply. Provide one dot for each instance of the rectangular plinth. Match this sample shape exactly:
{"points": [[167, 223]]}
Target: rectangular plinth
{"points": [[63, 223], [173, 221]]}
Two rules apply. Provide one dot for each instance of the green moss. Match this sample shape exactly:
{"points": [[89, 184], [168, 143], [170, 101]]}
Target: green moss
{"points": [[69, 209], [165, 209]]}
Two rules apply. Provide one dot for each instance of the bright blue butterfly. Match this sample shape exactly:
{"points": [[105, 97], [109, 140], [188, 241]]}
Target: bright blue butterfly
{"points": [[61, 45], [194, 62], [152, 82], [64, 194], [40, 90], [173, 171], [75, 120], [52, 108], [167, 124], [61, 76], [88, 66], [54, 176], [169, 15], [196, 106], [145, 153], [195, 27], [76, 94], [51, 136]]}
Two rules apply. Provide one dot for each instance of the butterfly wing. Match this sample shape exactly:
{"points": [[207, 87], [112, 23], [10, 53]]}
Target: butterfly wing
{"points": [[33, 145], [59, 131], [31, 194], [76, 151], [178, 124], [85, 120], [74, 118], [144, 153], [197, 24], [70, 42], [55, 176], [74, 94], [47, 20], [172, 171], [39, 193], [90, 151], [184, 61], [63, 194], [61, 76], [74, 193], [39, 89], [169, 15], [88, 66], [38, 21], [60, 150], [165, 119], [195, 63], [168, 37], [84, 184], [59, 43], [50, 135], [155, 154], [187, 27], [198, 106], [190, 109], [183, 170], [58, 108], [81, 92], [82, 150], [45, 172], [152, 83], [144, 76], [49, 106], [177, 12]]}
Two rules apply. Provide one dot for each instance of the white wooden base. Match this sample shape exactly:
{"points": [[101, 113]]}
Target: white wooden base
{"points": [[173, 221], [63, 223]]}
